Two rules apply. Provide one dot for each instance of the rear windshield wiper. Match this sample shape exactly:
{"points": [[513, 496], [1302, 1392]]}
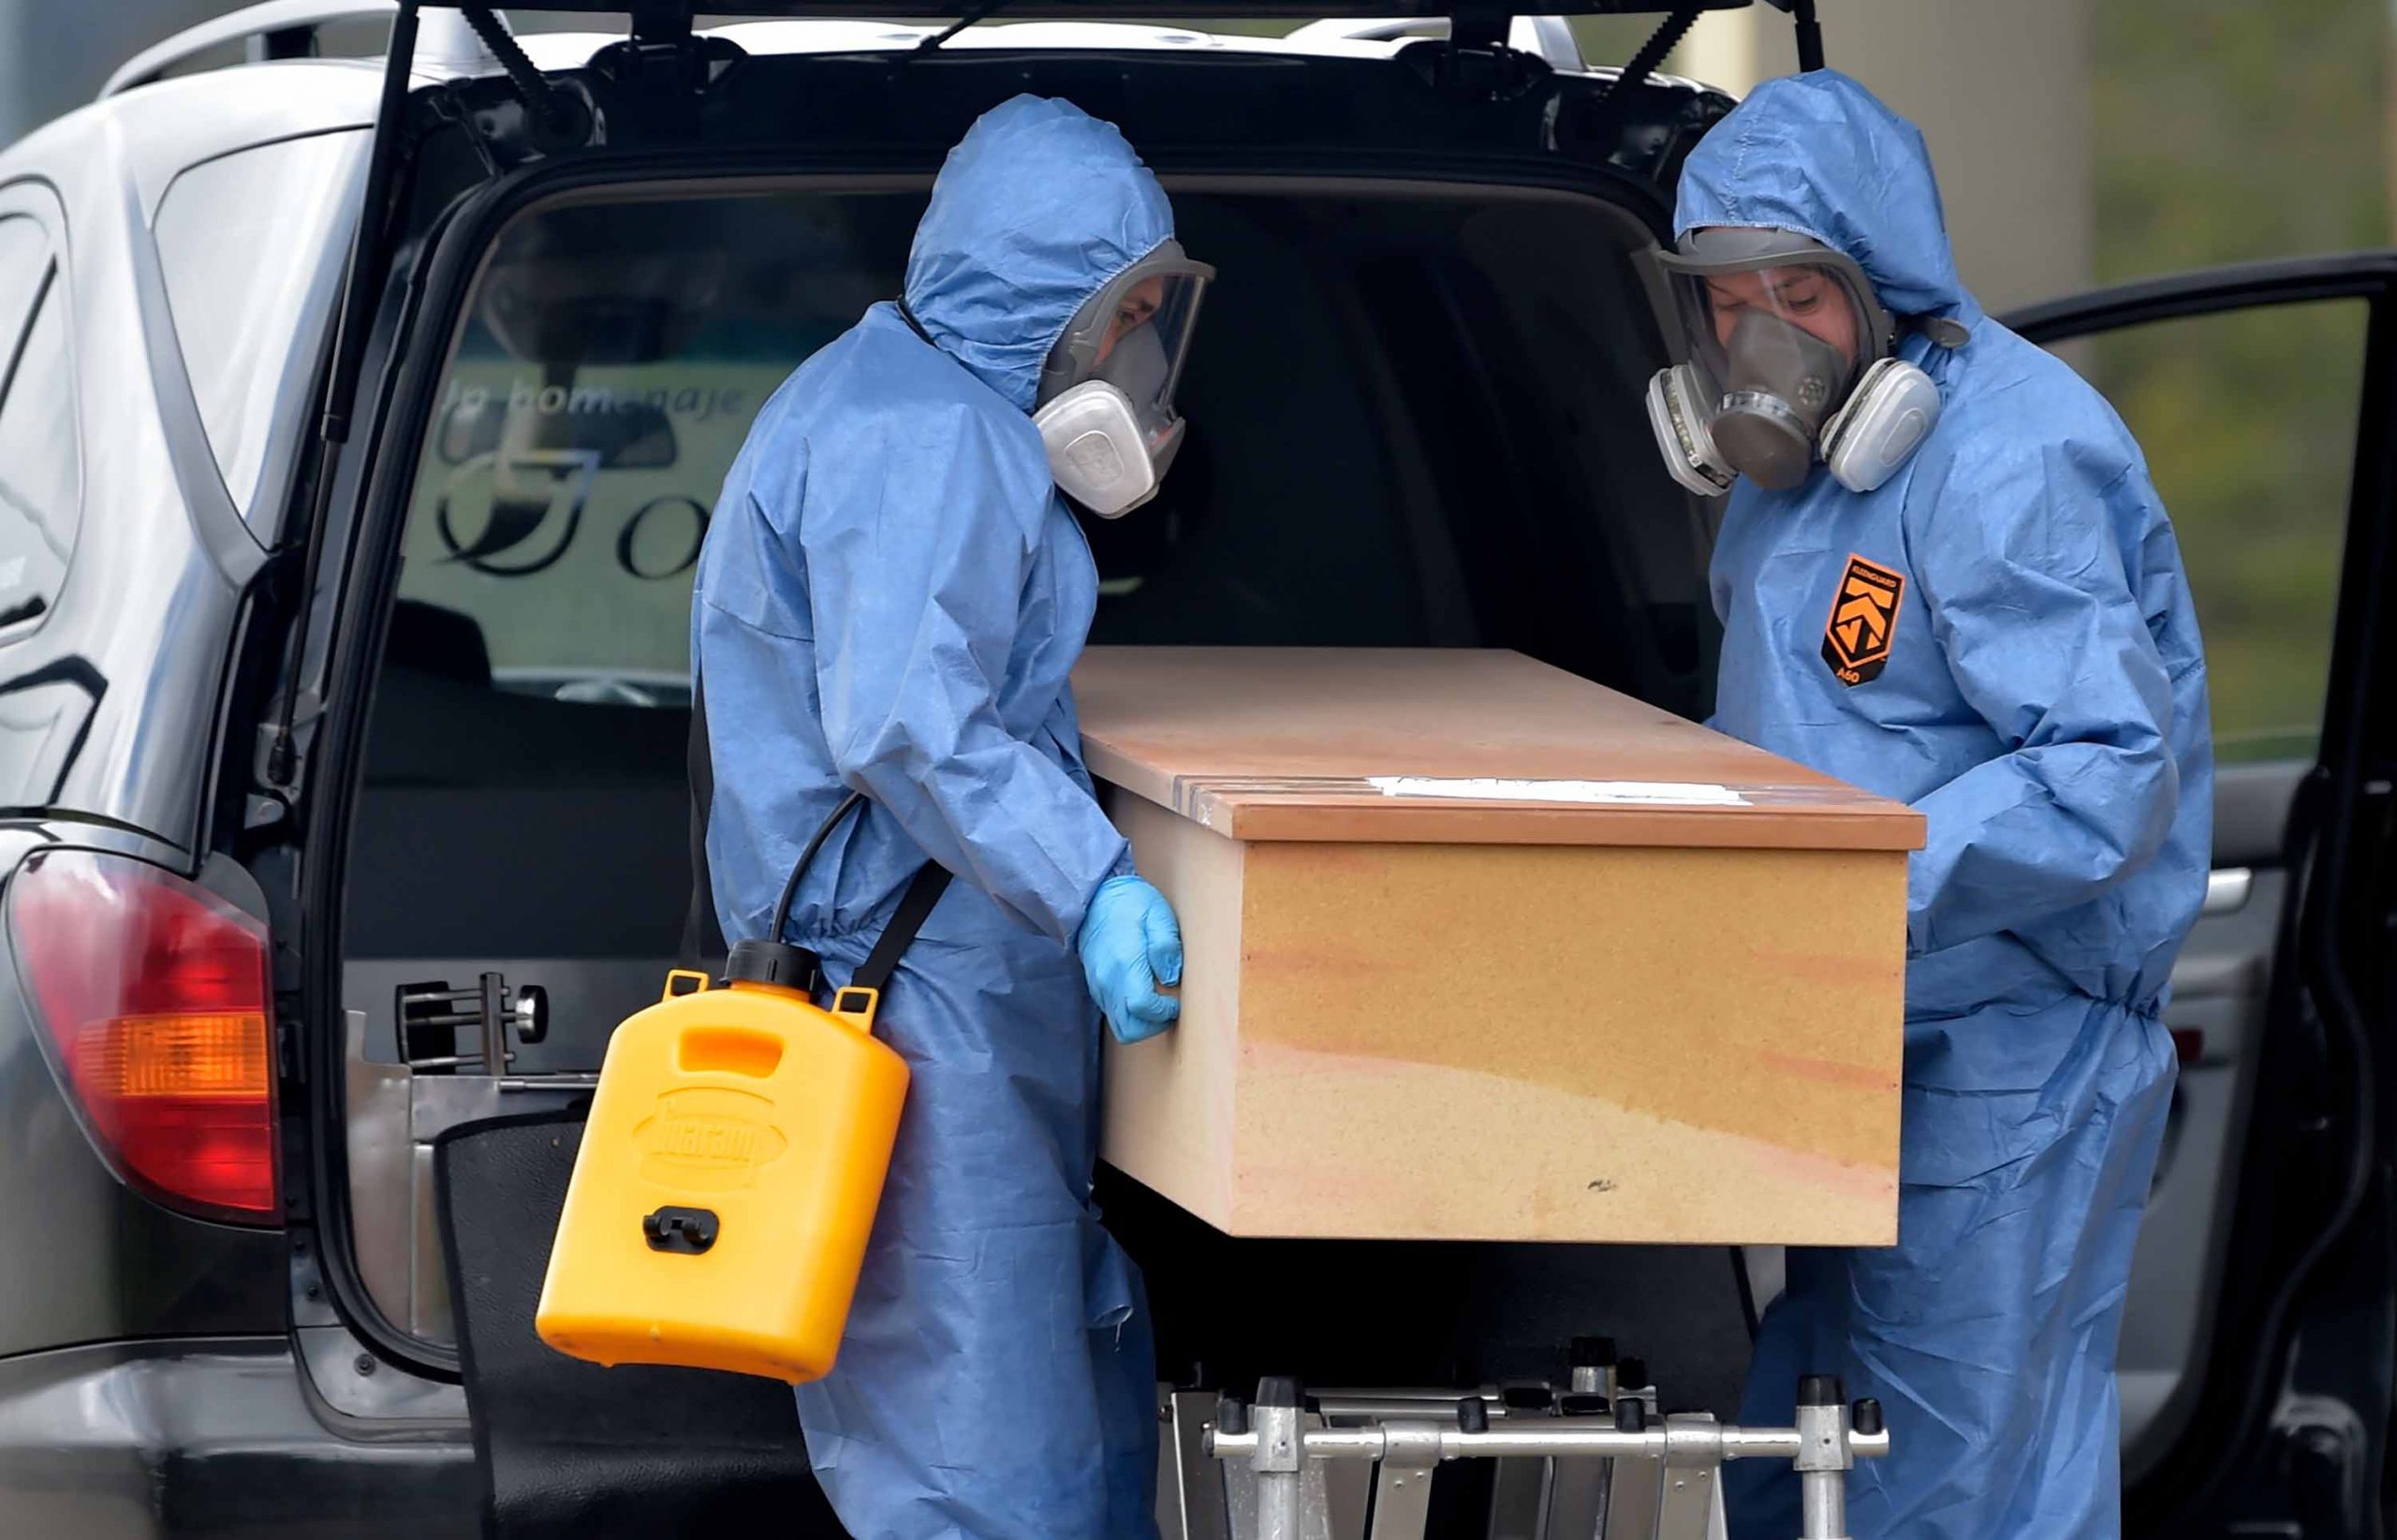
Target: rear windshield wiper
{"points": [[974, 14]]}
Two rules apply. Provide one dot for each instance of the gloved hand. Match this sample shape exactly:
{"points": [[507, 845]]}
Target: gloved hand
{"points": [[1130, 943]]}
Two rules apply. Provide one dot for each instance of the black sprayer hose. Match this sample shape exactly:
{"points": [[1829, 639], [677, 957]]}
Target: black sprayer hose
{"points": [[532, 87], [1661, 42], [807, 858]]}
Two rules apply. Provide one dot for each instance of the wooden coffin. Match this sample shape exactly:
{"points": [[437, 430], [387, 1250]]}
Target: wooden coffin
{"points": [[1476, 949]]}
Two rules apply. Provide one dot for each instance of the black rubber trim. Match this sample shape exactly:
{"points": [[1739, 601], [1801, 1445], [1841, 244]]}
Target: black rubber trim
{"points": [[2353, 275]]}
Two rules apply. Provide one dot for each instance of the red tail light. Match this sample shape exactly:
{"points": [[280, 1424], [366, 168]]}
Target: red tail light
{"points": [[154, 998]]}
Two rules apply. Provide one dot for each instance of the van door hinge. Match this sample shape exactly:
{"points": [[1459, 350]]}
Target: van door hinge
{"points": [[281, 752], [664, 68], [1474, 63], [666, 21], [1479, 31]]}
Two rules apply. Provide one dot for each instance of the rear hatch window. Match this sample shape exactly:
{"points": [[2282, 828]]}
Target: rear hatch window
{"points": [[1414, 420]]}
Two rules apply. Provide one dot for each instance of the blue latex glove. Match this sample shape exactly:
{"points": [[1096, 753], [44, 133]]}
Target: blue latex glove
{"points": [[1130, 943]]}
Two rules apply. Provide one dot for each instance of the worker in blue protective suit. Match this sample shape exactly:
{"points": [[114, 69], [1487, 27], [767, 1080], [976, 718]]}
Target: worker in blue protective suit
{"points": [[889, 601], [1944, 575]]}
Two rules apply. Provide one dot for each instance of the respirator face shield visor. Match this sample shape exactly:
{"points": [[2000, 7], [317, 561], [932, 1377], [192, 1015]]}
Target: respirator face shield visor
{"points": [[1778, 330], [1106, 402]]}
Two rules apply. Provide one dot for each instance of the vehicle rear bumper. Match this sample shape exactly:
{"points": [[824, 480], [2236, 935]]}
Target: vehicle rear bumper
{"points": [[167, 1440]]}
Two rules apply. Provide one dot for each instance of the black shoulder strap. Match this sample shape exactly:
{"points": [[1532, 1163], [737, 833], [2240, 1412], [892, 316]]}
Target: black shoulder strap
{"points": [[915, 906], [703, 938]]}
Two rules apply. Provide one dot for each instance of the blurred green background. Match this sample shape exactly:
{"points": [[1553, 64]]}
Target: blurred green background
{"points": [[2225, 131]]}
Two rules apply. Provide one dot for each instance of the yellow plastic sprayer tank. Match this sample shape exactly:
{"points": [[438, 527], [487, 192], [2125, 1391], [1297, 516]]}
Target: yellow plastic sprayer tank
{"points": [[728, 1175], [729, 1170]]}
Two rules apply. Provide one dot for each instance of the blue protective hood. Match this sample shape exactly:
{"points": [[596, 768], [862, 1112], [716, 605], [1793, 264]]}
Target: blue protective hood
{"points": [[1819, 154], [1039, 205]]}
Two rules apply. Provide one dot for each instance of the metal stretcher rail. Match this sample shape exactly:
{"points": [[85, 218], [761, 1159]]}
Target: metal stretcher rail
{"points": [[1594, 1461]]}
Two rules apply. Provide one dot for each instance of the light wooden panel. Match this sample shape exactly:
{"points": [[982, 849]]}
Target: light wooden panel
{"points": [[1494, 1021], [1278, 744]]}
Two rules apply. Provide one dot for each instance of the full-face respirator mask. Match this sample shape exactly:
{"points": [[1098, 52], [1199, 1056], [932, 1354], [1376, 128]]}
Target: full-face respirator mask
{"points": [[1792, 360], [1105, 408]]}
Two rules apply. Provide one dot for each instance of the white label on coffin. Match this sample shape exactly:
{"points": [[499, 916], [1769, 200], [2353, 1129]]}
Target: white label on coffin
{"points": [[1489, 789]]}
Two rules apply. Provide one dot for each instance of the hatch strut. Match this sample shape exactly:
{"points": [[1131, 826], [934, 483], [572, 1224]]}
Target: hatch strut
{"points": [[1810, 36], [363, 279], [1643, 64], [533, 88], [367, 244], [1810, 32]]}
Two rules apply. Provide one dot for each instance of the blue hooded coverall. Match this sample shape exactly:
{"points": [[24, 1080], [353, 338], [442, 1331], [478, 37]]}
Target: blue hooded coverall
{"points": [[2002, 637], [890, 599]]}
